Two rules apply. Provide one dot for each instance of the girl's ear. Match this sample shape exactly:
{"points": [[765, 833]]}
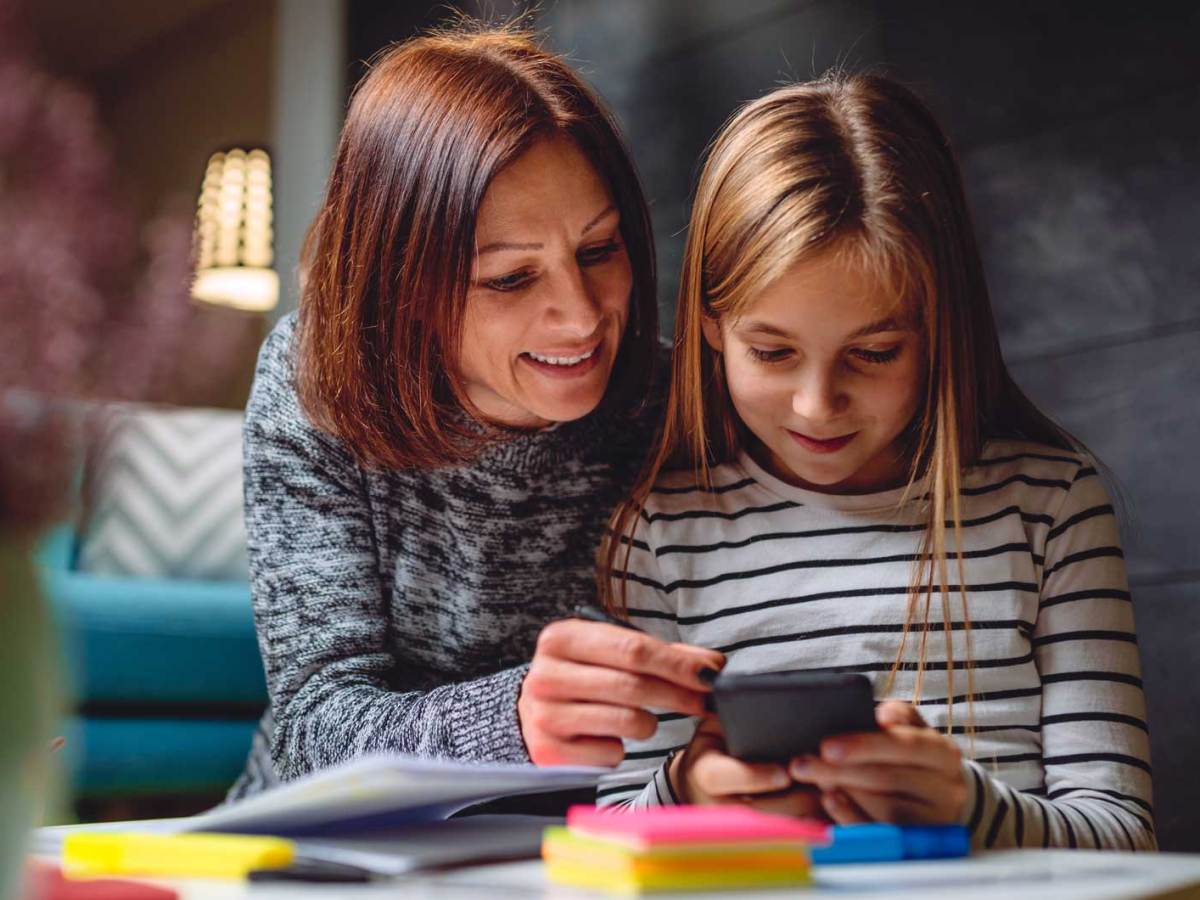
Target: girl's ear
{"points": [[711, 326]]}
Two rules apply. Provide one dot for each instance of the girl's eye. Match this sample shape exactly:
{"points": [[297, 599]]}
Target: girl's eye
{"points": [[770, 356], [599, 253], [511, 282], [877, 357]]}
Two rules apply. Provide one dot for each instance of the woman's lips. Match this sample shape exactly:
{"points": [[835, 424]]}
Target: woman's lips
{"points": [[555, 370], [829, 445]]}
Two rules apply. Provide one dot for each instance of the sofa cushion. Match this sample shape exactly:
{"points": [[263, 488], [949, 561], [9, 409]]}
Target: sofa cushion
{"points": [[147, 643], [165, 495]]}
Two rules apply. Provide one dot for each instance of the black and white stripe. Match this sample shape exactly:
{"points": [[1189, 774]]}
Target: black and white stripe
{"points": [[777, 577]]}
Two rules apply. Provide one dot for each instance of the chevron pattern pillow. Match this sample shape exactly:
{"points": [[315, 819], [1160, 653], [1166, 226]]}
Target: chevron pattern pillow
{"points": [[166, 495]]}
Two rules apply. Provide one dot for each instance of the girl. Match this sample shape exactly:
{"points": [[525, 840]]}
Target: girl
{"points": [[432, 445], [848, 479]]}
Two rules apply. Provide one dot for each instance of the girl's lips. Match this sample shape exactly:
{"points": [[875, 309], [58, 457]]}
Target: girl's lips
{"points": [[832, 445]]}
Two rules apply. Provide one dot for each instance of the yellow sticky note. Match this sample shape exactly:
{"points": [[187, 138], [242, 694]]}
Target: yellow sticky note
{"points": [[86, 854]]}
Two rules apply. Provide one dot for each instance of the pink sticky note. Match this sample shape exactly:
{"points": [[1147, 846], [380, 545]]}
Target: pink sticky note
{"points": [[694, 825]]}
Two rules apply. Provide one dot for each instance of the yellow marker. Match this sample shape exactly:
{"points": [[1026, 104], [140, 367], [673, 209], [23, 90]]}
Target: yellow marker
{"points": [[94, 853]]}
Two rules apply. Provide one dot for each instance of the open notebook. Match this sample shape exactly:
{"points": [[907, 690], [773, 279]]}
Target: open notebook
{"points": [[373, 792]]}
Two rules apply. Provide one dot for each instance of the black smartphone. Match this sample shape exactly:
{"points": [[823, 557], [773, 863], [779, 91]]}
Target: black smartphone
{"points": [[774, 716]]}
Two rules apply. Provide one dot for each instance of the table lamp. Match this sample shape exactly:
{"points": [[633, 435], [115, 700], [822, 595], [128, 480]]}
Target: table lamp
{"points": [[234, 234]]}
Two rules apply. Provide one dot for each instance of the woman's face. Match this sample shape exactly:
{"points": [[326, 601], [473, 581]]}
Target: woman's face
{"points": [[549, 293], [826, 372]]}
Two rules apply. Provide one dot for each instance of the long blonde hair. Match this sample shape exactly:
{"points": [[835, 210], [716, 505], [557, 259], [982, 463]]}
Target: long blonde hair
{"points": [[855, 165]]}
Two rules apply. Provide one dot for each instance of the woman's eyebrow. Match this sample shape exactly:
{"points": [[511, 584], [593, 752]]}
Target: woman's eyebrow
{"points": [[596, 219], [494, 246]]}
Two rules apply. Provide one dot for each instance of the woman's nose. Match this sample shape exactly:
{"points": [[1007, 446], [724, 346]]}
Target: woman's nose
{"points": [[573, 306]]}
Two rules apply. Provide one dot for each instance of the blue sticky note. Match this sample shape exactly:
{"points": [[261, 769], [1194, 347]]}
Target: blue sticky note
{"points": [[874, 842], [880, 842], [935, 841]]}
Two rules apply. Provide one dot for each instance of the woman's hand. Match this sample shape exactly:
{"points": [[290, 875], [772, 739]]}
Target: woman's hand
{"points": [[589, 685], [907, 773], [705, 773]]}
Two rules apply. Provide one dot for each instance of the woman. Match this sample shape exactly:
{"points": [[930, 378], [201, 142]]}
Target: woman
{"points": [[433, 445]]}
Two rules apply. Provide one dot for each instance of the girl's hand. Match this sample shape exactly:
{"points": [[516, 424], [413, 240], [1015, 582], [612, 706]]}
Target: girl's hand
{"points": [[589, 684], [908, 773], [705, 773]]}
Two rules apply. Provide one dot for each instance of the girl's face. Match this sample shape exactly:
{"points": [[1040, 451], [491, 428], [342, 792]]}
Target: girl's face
{"points": [[549, 292], [826, 372]]}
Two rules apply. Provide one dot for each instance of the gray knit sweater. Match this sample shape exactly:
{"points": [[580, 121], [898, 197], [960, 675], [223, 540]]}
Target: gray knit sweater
{"points": [[397, 610]]}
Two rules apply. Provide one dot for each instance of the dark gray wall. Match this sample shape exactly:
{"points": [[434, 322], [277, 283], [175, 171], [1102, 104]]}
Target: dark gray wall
{"points": [[1078, 127]]}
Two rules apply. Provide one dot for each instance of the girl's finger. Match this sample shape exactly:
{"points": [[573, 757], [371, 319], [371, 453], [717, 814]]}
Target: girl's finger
{"points": [[899, 745], [571, 720], [718, 774], [628, 650], [842, 809], [909, 781], [551, 678], [897, 712], [799, 802], [891, 808]]}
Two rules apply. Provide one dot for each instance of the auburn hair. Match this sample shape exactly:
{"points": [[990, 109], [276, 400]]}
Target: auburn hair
{"points": [[854, 165], [387, 261]]}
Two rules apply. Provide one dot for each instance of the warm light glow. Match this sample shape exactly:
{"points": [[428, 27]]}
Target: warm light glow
{"points": [[233, 233], [241, 287]]}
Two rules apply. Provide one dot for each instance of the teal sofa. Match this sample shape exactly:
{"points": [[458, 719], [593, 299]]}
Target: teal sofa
{"points": [[165, 678]]}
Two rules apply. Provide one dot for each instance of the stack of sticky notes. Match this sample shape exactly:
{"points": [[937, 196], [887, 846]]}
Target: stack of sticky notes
{"points": [[679, 848]]}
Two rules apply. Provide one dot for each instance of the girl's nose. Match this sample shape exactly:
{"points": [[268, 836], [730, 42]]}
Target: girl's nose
{"points": [[817, 398]]}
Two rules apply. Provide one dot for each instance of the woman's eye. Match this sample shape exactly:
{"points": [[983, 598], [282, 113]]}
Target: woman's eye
{"points": [[770, 355], [877, 357], [599, 253], [511, 282]]}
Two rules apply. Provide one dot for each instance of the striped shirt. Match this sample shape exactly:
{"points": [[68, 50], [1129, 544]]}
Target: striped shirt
{"points": [[777, 577]]}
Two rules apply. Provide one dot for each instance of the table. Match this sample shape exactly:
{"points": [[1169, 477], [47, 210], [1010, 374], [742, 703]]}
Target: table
{"points": [[997, 875]]}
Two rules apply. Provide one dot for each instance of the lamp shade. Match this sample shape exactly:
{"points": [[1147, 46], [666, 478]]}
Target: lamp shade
{"points": [[234, 233]]}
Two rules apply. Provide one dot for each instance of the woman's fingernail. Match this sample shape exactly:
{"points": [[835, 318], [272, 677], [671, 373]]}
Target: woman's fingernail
{"points": [[833, 752], [707, 675], [800, 766]]}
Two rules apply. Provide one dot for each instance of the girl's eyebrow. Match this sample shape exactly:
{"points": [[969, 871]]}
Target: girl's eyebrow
{"points": [[891, 323], [502, 245]]}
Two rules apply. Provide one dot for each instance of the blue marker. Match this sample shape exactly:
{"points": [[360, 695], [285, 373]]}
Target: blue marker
{"points": [[880, 842]]}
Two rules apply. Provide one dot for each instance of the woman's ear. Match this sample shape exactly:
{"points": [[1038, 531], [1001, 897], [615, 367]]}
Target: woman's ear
{"points": [[711, 326]]}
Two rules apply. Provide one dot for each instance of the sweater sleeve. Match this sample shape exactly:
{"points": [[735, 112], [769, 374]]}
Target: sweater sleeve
{"points": [[338, 687], [641, 778], [1095, 744]]}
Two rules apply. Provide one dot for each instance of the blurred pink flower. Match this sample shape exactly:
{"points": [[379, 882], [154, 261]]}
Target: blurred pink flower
{"points": [[91, 306]]}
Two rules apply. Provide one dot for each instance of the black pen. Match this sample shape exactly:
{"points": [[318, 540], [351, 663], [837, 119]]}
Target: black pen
{"points": [[595, 614], [317, 871]]}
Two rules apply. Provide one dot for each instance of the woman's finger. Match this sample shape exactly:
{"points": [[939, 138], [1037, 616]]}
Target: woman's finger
{"points": [[839, 806], [555, 679], [599, 644], [572, 720], [547, 750]]}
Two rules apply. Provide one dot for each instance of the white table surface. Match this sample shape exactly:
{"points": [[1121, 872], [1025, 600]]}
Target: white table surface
{"points": [[1027, 874]]}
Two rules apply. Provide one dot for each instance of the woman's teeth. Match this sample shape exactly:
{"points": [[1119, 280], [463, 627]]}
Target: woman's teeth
{"points": [[562, 360]]}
